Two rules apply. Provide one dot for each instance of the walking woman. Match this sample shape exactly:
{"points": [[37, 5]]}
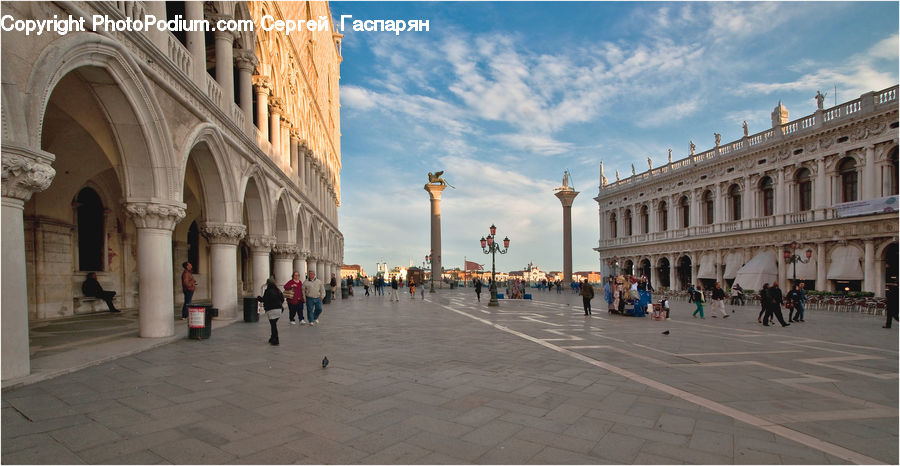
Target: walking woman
{"points": [[763, 303], [478, 289], [296, 299], [272, 300], [698, 300]]}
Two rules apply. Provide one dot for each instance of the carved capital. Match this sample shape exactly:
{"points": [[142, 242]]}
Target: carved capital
{"points": [[263, 83], [303, 255], [25, 174], [260, 243], [276, 106], [295, 135], [245, 60], [285, 251], [156, 215], [223, 233]]}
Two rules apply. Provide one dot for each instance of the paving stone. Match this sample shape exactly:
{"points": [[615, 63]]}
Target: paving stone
{"points": [[191, 451], [139, 457], [325, 451], [511, 451], [551, 455], [77, 438], [107, 452], [478, 416], [50, 452], [618, 448], [556, 440], [273, 455], [437, 426], [492, 433], [383, 438], [398, 453], [449, 446]]}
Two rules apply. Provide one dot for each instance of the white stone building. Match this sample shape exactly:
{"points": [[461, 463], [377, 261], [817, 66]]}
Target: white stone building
{"points": [[128, 153], [730, 213]]}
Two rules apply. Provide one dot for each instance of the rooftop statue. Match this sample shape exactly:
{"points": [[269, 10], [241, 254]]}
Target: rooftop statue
{"points": [[718, 138], [670, 155], [436, 178], [693, 148], [820, 99], [565, 181], [650, 163], [746, 129], [632, 170]]}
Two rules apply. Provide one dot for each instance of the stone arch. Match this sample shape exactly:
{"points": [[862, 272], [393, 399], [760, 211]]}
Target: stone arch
{"points": [[254, 200], [130, 105], [13, 121], [300, 229], [206, 149], [283, 226]]}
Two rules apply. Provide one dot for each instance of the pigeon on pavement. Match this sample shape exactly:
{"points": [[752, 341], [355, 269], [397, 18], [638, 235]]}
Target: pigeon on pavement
{"points": [[666, 332], [325, 362]]}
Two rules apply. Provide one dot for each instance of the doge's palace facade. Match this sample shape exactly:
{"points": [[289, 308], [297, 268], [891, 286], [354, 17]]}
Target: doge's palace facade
{"points": [[729, 213], [128, 153]]}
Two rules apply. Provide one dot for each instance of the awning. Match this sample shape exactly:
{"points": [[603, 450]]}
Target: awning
{"points": [[761, 269], [733, 263], [707, 267], [844, 264]]}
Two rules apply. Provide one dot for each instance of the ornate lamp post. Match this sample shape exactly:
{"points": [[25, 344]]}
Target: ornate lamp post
{"points": [[614, 265], [489, 246], [791, 257], [428, 262]]}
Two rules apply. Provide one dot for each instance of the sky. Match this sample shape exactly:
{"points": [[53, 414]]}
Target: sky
{"points": [[506, 96]]}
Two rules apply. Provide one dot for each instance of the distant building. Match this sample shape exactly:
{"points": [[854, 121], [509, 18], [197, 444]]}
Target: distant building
{"points": [[352, 271], [826, 182]]}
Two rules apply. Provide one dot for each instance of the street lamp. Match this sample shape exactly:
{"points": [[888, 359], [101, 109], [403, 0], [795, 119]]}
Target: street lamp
{"points": [[614, 265], [791, 257], [488, 246]]}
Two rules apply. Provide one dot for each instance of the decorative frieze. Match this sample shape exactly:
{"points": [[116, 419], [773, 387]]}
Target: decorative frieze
{"points": [[260, 243], [285, 251]]}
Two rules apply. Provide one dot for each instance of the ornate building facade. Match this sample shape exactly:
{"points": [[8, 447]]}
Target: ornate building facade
{"points": [[128, 153], [730, 213]]}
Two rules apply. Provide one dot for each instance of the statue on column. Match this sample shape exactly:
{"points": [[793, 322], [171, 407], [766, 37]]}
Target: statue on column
{"points": [[602, 176], [565, 181], [820, 100], [670, 155], [436, 178]]}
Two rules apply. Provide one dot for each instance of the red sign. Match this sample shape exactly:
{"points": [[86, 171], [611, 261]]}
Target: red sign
{"points": [[196, 317]]}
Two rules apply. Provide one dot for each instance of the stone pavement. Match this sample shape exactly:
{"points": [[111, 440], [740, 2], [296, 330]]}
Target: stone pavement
{"points": [[449, 380]]}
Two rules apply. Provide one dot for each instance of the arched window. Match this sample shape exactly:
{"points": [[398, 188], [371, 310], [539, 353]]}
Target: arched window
{"points": [[685, 206], [627, 219], [89, 213], [849, 179], [193, 240], [767, 191], [613, 225], [709, 205], [663, 216], [645, 220], [804, 190], [734, 195]]}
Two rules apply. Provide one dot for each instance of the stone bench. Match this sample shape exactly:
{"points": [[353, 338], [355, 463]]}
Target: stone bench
{"points": [[89, 304]]}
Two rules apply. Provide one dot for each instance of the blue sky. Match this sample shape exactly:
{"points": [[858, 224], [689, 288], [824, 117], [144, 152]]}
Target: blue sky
{"points": [[505, 96]]}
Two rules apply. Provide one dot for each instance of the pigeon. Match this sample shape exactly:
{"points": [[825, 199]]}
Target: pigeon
{"points": [[325, 362], [666, 332]]}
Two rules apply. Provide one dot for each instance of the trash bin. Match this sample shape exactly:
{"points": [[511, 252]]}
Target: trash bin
{"points": [[345, 290], [250, 312], [200, 321]]}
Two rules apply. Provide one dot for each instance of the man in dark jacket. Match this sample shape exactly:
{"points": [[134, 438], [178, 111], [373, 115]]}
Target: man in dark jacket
{"points": [[718, 297], [478, 289], [587, 294], [272, 300], [774, 299], [91, 288]]}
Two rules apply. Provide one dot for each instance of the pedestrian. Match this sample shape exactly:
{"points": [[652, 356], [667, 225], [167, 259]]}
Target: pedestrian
{"points": [[774, 300], [313, 291], [791, 301], [718, 297], [891, 309], [737, 294], [394, 287], [379, 285], [664, 304], [422, 292], [587, 294], [691, 291], [91, 288], [366, 285], [188, 285], [558, 287], [801, 303], [272, 300], [295, 300], [763, 297], [550, 286], [478, 289], [349, 282], [332, 285], [698, 299], [608, 290], [412, 289]]}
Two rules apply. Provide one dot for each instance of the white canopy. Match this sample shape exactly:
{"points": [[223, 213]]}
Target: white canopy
{"points": [[707, 267], [733, 263], [761, 269], [805, 271], [844, 264]]}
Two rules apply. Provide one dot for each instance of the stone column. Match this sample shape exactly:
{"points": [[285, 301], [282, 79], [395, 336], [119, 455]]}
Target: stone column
{"points": [[154, 223], [320, 270], [295, 150], [225, 65], [262, 104], [284, 262], [654, 274], [179, 256], [260, 246], [673, 274], [284, 161], [748, 195], [300, 264], [275, 117], [779, 197], [223, 239], [25, 172], [196, 43], [782, 268], [821, 280], [821, 188], [869, 275], [246, 61], [566, 198], [869, 182], [301, 161], [434, 193]]}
